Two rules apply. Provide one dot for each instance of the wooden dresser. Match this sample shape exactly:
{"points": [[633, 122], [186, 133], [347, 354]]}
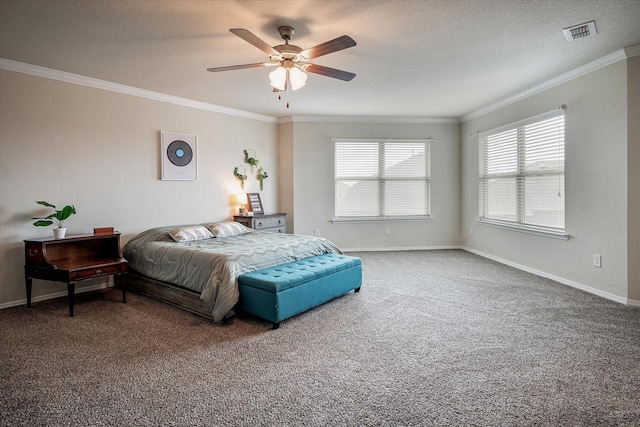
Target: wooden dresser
{"points": [[271, 222], [74, 258]]}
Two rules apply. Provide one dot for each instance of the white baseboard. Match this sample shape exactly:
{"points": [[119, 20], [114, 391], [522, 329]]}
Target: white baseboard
{"points": [[589, 289], [633, 303], [396, 249], [594, 291], [56, 295]]}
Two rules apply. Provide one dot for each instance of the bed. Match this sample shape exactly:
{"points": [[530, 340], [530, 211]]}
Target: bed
{"points": [[196, 266]]}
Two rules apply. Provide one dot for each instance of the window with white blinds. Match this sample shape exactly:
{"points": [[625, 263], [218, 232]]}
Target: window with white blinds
{"points": [[522, 174], [381, 178]]}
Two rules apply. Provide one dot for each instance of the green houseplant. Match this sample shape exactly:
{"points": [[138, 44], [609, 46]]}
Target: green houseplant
{"points": [[58, 217]]}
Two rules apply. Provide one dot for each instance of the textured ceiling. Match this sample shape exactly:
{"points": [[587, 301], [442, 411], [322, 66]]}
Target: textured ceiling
{"points": [[414, 58]]}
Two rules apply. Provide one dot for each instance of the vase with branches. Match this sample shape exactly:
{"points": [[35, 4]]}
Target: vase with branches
{"points": [[253, 162], [262, 175]]}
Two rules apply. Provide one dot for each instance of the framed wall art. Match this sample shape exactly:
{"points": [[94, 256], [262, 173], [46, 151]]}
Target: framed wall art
{"points": [[179, 154], [255, 204]]}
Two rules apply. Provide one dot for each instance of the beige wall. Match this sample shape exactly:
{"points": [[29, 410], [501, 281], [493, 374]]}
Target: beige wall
{"points": [[633, 167], [596, 185], [285, 163], [313, 192], [100, 150]]}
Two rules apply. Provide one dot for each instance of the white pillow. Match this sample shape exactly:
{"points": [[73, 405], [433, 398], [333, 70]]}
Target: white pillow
{"points": [[226, 229], [190, 234]]}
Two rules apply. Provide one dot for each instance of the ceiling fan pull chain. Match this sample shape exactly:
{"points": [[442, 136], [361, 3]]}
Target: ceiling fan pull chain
{"points": [[288, 87]]}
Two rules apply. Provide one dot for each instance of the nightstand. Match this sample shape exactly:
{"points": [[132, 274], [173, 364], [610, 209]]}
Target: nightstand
{"points": [[271, 222]]}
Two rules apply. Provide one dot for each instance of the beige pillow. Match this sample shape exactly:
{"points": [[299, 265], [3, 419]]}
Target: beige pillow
{"points": [[226, 229], [190, 234]]}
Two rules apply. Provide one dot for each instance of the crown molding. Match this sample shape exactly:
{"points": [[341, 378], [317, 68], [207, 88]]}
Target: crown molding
{"points": [[48, 73], [369, 119], [35, 70], [612, 58], [632, 51]]}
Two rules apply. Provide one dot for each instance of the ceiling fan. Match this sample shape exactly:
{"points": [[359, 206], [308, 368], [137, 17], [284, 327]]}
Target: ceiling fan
{"points": [[292, 61]]}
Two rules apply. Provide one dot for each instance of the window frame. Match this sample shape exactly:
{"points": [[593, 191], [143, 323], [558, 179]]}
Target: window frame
{"points": [[520, 175], [380, 177]]}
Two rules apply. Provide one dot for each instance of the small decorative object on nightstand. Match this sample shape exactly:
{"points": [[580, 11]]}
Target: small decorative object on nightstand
{"points": [[271, 222], [255, 204]]}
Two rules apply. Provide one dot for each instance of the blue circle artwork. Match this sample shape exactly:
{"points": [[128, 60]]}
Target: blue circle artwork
{"points": [[179, 153]]}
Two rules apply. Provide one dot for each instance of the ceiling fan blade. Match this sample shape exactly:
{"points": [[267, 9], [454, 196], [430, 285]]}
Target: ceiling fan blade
{"points": [[249, 37], [330, 72], [326, 48], [241, 67]]}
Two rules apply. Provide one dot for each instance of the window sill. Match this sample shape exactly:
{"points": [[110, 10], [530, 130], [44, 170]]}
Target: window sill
{"points": [[525, 229], [382, 219]]}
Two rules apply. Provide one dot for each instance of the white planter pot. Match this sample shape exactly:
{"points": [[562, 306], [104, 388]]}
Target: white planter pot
{"points": [[59, 233]]}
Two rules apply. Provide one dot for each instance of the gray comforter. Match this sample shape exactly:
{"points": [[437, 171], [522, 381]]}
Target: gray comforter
{"points": [[212, 266]]}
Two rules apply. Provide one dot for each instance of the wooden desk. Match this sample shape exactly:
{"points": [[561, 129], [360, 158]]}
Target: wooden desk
{"points": [[73, 259]]}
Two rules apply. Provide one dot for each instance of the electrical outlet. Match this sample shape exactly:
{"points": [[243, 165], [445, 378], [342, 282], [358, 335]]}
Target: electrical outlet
{"points": [[316, 232], [387, 231], [597, 260]]}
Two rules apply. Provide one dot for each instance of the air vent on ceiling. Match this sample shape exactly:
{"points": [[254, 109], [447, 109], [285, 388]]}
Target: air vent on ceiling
{"points": [[582, 31]]}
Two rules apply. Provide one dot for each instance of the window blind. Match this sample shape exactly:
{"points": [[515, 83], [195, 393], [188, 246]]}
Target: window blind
{"points": [[382, 178], [522, 173]]}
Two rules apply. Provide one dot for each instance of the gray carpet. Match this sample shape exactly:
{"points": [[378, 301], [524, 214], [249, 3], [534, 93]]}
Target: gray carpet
{"points": [[434, 338]]}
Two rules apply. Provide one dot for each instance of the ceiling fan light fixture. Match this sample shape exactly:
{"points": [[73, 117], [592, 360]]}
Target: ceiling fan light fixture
{"points": [[297, 78], [278, 78], [292, 62], [282, 78]]}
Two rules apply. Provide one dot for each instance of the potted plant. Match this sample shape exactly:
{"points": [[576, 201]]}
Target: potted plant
{"points": [[58, 218]]}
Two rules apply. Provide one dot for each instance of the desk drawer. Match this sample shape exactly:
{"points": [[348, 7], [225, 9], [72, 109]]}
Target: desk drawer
{"points": [[104, 270]]}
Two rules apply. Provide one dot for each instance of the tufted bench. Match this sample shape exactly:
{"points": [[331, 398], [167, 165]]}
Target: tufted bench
{"points": [[277, 293]]}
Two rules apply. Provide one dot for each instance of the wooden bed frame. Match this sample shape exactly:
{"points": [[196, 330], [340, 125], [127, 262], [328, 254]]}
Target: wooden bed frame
{"points": [[177, 296]]}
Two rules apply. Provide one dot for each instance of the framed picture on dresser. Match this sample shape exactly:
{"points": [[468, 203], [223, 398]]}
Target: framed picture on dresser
{"points": [[255, 204]]}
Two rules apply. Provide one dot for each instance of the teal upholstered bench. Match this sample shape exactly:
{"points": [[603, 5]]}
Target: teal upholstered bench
{"points": [[280, 292]]}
